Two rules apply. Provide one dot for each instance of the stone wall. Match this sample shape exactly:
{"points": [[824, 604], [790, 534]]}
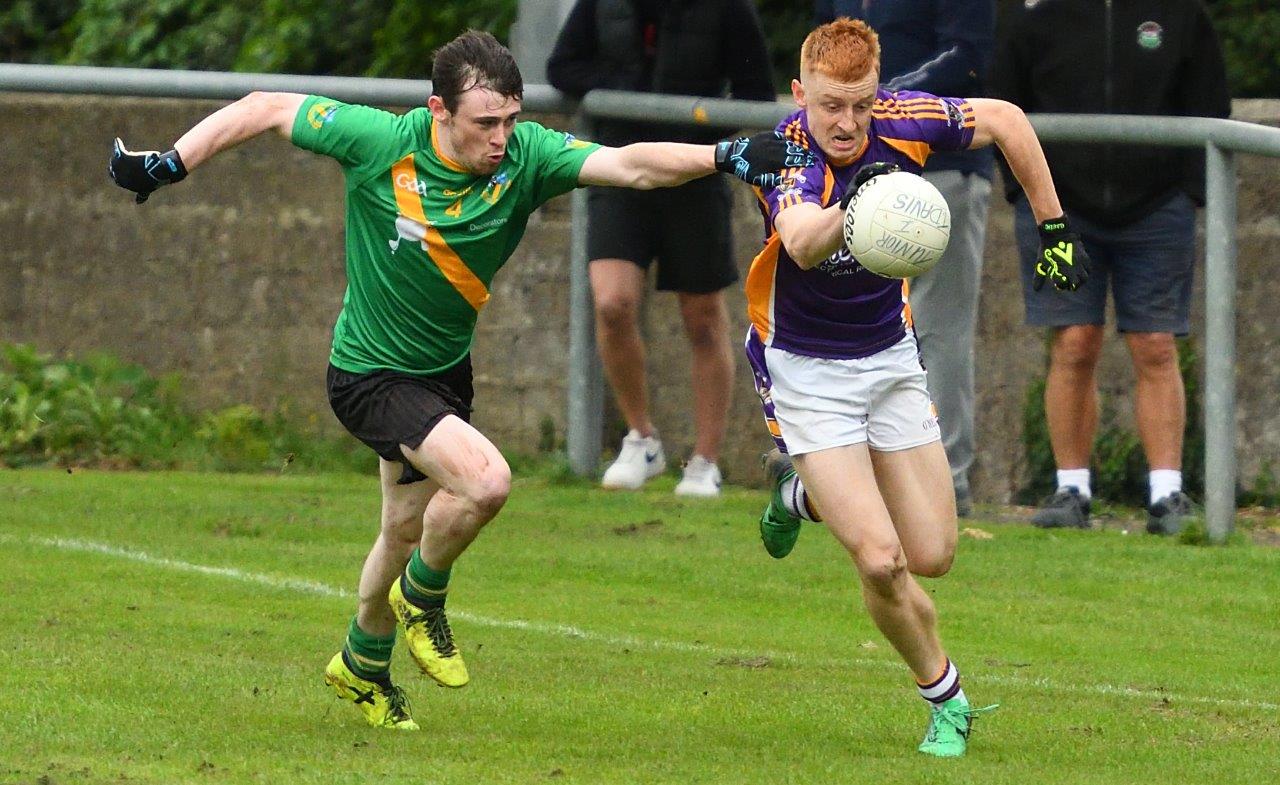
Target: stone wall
{"points": [[234, 278]]}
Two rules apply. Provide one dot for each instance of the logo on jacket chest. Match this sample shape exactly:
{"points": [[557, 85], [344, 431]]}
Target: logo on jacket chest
{"points": [[1150, 35]]}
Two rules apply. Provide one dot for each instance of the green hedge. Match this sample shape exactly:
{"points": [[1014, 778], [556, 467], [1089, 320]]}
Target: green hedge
{"points": [[99, 411]]}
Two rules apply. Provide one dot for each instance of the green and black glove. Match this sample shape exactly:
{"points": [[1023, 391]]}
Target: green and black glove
{"points": [[1062, 257], [760, 159], [145, 171]]}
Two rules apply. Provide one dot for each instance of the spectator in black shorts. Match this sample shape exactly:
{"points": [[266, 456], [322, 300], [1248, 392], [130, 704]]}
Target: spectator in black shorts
{"points": [[1134, 206], [679, 47]]}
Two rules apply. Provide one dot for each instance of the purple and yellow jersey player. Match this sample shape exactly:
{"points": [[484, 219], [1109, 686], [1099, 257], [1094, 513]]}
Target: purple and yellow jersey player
{"points": [[835, 360], [838, 309]]}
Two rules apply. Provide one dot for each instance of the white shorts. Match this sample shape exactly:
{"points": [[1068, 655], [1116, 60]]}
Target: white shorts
{"points": [[817, 404]]}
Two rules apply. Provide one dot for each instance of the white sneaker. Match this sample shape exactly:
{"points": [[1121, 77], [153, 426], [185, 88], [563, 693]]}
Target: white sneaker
{"points": [[701, 478], [639, 459]]}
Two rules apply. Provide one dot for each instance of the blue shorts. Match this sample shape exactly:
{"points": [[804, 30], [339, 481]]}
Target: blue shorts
{"points": [[1147, 265]]}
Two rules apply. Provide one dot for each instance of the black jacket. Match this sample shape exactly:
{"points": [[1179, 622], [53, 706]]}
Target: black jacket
{"points": [[678, 47], [939, 46], [1151, 57]]}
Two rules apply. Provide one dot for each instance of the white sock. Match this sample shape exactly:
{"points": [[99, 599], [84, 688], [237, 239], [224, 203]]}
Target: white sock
{"points": [[944, 688], [1163, 482], [1077, 477], [794, 499]]}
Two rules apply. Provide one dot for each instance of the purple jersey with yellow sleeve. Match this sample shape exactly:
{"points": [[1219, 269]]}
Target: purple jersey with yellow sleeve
{"points": [[838, 309]]}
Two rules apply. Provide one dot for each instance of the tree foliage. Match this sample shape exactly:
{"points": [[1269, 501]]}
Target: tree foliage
{"points": [[1249, 30], [396, 37]]}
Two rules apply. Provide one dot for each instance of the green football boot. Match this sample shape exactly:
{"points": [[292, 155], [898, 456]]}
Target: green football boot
{"points": [[779, 529], [949, 726]]}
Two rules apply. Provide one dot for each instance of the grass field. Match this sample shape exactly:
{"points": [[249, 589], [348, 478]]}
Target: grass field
{"points": [[166, 628]]}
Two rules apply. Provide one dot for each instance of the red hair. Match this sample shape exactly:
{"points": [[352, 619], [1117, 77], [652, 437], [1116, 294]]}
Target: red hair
{"points": [[845, 50]]}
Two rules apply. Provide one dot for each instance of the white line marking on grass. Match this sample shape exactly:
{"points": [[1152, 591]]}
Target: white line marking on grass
{"points": [[568, 631]]}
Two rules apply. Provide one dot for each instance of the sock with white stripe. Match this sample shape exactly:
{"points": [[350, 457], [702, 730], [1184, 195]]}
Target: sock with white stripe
{"points": [[943, 688], [796, 501], [368, 656]]}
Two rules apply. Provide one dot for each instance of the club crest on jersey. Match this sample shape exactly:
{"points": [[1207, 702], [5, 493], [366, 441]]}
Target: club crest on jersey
{"points": [[1150, 35], [955, 117], [494, 190], [574, 142], [840, 263], [321, 113]]}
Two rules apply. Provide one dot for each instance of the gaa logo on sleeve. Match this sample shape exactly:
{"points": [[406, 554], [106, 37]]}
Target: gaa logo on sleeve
{"points": [[320, 113]]}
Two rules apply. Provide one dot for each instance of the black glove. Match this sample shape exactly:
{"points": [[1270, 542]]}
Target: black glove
{"points": [[864, 174], [1062, 257], [144, 172], [760, 159]]}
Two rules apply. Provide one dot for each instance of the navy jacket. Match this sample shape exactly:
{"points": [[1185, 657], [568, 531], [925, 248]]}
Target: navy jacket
{"points": [[942, 47], [1152, 57], [711, 48]]}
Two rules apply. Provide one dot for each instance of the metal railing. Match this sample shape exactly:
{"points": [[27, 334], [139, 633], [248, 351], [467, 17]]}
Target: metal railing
{"points": [[1221, 139]]}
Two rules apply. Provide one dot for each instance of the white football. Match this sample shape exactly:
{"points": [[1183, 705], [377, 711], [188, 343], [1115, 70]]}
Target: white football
{"points": [[897, 225]]}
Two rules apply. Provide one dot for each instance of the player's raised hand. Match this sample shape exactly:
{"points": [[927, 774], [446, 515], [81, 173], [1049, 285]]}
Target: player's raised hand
{"points": [[864, 174], [1062, 257], [145, 171], [760, 159]]}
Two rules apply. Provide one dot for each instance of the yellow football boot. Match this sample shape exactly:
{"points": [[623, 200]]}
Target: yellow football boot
{"points": [[430, 640], [382, 707]]}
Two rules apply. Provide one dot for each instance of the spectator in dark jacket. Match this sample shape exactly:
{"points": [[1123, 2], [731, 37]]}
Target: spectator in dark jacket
{"points": [[1134, 206], [942, 47], [679, 47]]}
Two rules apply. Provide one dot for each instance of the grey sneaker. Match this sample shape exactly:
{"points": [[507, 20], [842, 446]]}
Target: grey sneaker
{"points": [[1065, 509], [1169, 515]]}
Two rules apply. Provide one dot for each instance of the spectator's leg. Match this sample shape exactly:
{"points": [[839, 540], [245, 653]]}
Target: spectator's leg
{"points": [[706, 322], [1071, 394], [1160, 400], [617, 286], [944, 307]]}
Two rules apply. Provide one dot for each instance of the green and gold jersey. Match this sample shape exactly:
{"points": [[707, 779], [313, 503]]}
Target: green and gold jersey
{"points": [[424, 237]]}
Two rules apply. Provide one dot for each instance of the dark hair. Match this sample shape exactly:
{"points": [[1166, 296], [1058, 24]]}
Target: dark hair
{"points": [[474, 59]]}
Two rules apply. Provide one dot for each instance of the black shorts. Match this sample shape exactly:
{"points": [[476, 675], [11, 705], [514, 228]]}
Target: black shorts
{"points": [[687, 228], [386, 409]]}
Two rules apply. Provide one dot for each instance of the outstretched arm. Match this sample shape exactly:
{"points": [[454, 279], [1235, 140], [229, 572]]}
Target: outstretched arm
{"points": [[239, 122], [144, 171], [758, 160], [646, 165]]}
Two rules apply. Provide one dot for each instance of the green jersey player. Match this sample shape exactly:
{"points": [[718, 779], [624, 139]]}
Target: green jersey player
{"points": [[436, 202]]}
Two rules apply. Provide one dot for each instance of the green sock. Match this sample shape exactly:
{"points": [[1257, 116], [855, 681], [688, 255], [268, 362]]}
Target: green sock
{"points": [[424, 586], [368, 656]]}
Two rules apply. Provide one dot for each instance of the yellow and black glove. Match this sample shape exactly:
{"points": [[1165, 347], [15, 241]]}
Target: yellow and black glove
{"points": [[1062, 257]]}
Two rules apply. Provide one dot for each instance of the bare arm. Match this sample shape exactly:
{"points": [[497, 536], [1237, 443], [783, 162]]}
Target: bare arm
{"points": [[810, 233], [238, 122], [646, 165], [1006, 125]]}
